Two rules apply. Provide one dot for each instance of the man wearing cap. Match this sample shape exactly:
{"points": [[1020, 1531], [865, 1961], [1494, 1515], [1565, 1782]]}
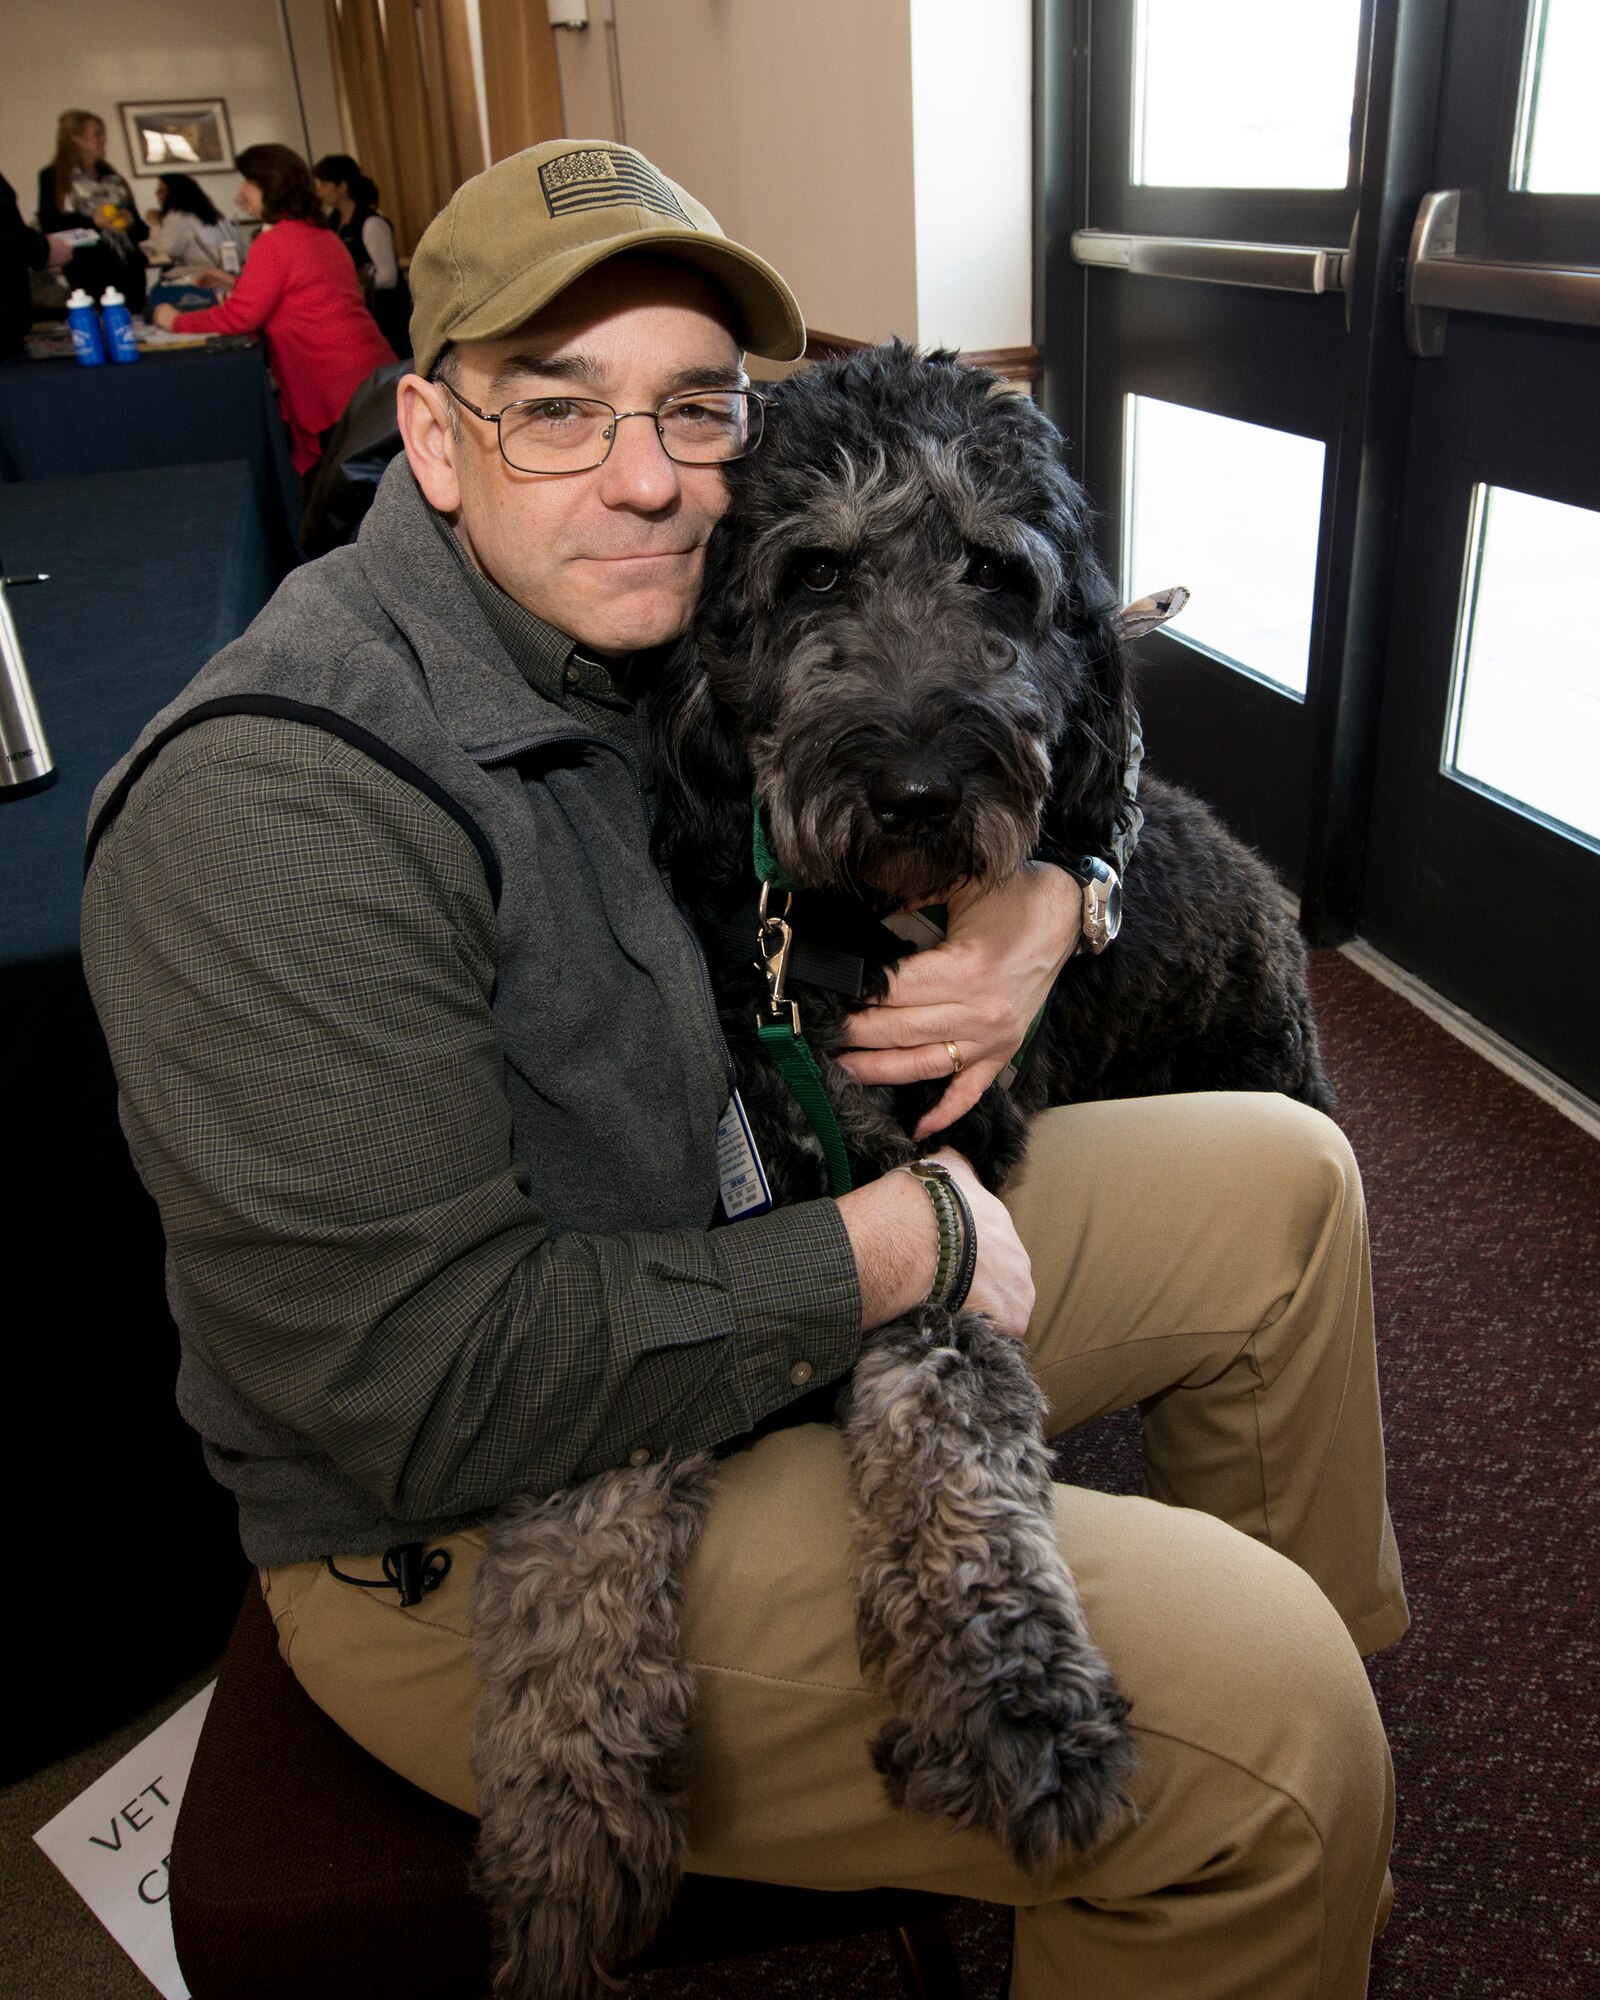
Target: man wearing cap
{"points": [[416, 1059]]}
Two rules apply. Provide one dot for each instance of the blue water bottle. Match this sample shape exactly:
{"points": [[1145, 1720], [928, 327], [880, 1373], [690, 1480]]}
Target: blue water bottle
{"points": [[119, 326], [85, 324]]}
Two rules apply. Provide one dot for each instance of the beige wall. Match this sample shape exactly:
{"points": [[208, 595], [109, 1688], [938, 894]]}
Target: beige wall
{"points": [[791, 121], [590, 79], [96, 54], [879, 152]]}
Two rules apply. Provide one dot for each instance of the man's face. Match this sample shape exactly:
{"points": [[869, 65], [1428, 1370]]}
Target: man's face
{"points": [[611, 556]]}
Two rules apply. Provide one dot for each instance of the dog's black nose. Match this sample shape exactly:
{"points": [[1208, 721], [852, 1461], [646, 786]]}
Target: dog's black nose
{"points": [[914, 795]]}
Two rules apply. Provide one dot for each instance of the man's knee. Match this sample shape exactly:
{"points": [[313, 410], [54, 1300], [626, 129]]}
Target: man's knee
{"points": [[1311, 1163], [1234, 1660]]}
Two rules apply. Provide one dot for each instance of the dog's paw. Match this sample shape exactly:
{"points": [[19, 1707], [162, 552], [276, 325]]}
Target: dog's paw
{"points": [[1043, 1778]]}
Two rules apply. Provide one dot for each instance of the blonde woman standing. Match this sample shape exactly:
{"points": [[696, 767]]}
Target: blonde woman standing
{"points": [[80, 189]]}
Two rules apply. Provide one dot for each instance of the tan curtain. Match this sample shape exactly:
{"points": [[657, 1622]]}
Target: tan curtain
{"points": [[452, 108], [404, 74], [521, 81]]}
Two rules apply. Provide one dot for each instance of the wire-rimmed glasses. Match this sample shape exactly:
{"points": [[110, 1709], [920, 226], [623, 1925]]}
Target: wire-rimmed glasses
{"points": [[555, 434]]}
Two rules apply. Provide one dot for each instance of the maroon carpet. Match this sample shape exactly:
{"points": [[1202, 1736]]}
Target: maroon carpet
{"points": [[1485, 1209]]}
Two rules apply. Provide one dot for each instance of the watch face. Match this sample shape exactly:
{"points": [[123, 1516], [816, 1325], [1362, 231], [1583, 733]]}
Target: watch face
{"points": [[1113, 909]]}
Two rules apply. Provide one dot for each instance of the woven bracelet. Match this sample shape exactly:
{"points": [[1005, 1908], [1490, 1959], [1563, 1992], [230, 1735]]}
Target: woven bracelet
{"points": [[958, 1235]]}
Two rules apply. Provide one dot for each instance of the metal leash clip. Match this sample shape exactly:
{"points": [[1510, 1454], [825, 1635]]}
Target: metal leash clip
{"points": [[774, 942]]}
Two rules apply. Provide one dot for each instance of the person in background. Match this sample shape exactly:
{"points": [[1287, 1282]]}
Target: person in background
{"points": [[22, 250], [81, 189], [299, 291], [350, 199], [186, 227]]}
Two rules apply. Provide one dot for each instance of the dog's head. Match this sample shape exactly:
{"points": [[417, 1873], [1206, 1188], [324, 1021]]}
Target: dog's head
{"points": [[905, 643]]}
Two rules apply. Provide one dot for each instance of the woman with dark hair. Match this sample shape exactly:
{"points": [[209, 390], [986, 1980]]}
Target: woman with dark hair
{"points": [[81, 189], [350, 199], [185, 225], [298, 290]]}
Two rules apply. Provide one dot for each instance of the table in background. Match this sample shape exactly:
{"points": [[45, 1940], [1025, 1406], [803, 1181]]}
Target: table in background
{"points": [[186, 407], [126, 1554]]}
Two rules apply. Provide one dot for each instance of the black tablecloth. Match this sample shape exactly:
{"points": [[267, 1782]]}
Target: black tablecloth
{"points": [[186, 407], [129, 1551]]}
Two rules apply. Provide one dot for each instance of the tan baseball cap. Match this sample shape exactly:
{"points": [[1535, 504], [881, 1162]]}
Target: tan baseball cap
{"points": [[514, 236]]}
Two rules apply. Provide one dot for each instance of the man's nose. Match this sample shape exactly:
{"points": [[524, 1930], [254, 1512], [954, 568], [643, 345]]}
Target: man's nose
{"points": [[638, 472]]}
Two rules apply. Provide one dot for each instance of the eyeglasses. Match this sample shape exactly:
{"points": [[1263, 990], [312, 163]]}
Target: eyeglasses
{"points": [[575, 433]]}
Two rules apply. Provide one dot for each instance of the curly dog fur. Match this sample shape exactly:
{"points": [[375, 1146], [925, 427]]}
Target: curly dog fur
{"points": [[907, 646], [907, 649]]}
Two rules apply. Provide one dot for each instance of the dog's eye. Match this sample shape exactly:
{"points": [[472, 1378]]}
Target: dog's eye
{"points": [[819, 573], [988, 572]]}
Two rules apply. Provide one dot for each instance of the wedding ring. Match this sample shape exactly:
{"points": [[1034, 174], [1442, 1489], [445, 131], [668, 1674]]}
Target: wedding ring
{"points": [[957, 1060]]}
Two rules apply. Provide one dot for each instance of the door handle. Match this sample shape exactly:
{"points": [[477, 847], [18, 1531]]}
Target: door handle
{"points": [[1438, 282], [1273, 267]]}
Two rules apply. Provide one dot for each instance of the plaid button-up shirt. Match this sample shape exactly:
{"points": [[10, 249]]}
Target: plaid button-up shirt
{"points": [[294, 953]]}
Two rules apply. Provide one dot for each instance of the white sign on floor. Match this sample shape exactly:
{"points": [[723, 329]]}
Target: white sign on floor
{"points": [[113, 1841]]}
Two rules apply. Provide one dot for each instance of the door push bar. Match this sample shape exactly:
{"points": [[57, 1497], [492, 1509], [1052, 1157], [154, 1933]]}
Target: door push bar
{"points": [[1273, 267], [1438, 282]]}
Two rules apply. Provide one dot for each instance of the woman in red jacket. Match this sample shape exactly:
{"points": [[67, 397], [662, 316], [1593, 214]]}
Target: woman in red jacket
{"points": [[299, 290]]}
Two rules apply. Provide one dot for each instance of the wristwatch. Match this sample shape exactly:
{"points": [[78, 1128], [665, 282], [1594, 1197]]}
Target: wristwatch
{"points": [[1102, 901]]}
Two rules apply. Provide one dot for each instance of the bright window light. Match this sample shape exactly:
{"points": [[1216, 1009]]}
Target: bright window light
{"points": [[1558, 137], [1525, 704], [1232, 511], [1245, 93]]}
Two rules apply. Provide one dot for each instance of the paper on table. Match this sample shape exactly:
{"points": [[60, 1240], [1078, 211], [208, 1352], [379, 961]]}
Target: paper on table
{"points": [[113, 1841], [160, 336]]}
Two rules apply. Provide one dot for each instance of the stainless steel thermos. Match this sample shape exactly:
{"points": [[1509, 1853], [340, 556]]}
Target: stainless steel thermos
{"points": [[25, 764]]}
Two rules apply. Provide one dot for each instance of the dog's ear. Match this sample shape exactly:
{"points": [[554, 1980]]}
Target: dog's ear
{"points": [[698, 777], [1087, 804]]}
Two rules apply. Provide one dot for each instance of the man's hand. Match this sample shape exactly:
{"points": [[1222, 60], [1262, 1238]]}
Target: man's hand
{"points": [[894, 1234], [215, 279], [166, 317], [980, 990]]}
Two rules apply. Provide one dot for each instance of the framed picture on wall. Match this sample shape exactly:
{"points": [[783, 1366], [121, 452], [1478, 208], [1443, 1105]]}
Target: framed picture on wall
{"points": [[188, 134]]}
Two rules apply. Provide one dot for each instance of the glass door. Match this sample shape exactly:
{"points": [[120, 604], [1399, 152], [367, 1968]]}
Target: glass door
{"points": [[1483, 864], [1320, 319], [1204, 380]]}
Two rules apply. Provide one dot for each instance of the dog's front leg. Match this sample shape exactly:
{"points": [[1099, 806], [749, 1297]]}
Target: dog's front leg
{"points": [[1006, 1716], [584, 1713]]}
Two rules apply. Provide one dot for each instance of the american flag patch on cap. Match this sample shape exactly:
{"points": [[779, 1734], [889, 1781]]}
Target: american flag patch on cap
{"points": [[604, 179]]}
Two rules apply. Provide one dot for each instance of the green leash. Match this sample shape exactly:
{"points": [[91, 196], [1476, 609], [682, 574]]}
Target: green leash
{"points": [[778, 1023]]}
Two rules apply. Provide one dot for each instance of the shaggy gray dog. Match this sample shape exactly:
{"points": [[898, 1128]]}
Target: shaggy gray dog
{"points": [[907, 648], [907, 652]]}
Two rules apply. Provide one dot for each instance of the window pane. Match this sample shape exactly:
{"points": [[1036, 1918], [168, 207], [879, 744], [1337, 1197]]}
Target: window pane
{"points": [[1558, 138], [1525, 711], [1244, 93], [1232, 511]]}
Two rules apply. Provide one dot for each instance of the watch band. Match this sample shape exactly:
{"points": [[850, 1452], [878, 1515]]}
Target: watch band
{"points": [[1102, 895]]}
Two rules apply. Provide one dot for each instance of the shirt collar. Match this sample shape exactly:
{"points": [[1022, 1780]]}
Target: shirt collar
{"points": [[552, 664]]}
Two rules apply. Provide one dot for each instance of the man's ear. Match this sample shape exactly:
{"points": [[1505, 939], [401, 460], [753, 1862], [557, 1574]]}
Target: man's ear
{"points": [[421, 409]]}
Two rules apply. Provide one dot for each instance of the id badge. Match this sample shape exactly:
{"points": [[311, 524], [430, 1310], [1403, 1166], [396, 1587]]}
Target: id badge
{"points": [[744, 1180]]}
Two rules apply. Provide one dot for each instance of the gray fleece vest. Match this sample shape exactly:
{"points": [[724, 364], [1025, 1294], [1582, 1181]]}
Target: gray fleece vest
{"points": [[615, 1068]]}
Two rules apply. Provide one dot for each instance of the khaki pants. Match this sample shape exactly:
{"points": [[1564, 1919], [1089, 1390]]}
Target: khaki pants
{"points": [[1205, 1257]]}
